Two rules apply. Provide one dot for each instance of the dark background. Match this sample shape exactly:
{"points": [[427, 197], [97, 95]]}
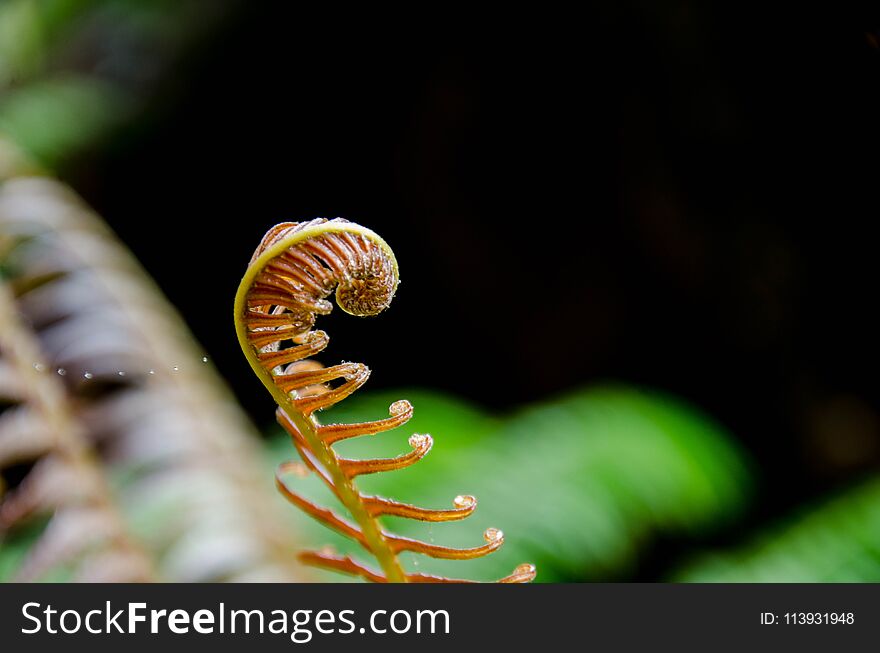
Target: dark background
{"points": [[680, 197]]}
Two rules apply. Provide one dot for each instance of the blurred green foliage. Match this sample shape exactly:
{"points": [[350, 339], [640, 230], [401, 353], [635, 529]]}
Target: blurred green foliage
{"points": [[47, 110], [49, 119], [71, 71], [28, 31], [837, 541], [17, 545], [580, 485]]}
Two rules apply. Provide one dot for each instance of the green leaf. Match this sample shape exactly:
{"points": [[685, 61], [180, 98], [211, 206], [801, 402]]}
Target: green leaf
{"points": [[579, 484], [53, 118], [837, 541]]}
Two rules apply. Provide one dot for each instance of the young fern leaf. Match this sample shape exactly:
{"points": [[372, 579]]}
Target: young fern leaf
{"points": [[292, 272]]}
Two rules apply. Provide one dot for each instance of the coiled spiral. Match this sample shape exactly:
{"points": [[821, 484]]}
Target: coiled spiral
{"points": [[293, 271]]}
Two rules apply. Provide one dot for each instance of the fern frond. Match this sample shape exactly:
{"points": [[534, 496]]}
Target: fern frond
{"points": [[293, 271], [63, 481], [186, 457]]}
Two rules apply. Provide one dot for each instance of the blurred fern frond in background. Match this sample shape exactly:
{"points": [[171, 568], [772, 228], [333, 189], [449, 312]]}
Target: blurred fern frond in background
{"points": [[179, 453], [58, 488], [836, 541], [606, 470]]}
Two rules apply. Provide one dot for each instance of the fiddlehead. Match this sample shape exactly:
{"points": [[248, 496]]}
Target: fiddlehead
{"points": [[293, 271]]}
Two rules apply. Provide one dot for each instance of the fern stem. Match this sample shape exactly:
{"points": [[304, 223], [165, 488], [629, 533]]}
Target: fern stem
{"points": [[352, 500], [345, 487]]}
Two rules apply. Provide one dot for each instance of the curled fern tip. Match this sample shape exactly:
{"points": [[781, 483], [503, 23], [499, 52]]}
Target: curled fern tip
{"points": [[292, 273]]}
